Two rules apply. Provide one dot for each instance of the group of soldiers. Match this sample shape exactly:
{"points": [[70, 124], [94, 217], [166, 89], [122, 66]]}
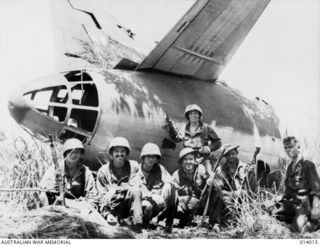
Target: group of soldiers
{"points": [[129, 193]]}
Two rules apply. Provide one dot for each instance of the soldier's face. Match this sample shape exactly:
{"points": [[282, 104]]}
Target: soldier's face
{"points": [[119, 155], [74, 156], [232, 160], [194, 116], [149, 161], [292, 150], [188, 163]]}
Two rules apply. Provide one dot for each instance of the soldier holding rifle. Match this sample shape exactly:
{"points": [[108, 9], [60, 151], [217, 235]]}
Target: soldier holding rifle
{"points": [[197, 135], [191, 182], [71, 179]]}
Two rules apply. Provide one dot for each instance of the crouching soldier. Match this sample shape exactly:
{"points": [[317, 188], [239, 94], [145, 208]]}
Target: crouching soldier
{"points": [[79, 181], [197, 135], [194, 193], [299, 204], [158, 192], [230, 181], [189, 180], [118, 195]]}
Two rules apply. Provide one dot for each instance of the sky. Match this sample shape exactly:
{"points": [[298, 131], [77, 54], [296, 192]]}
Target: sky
{"points": [[278, 61]]}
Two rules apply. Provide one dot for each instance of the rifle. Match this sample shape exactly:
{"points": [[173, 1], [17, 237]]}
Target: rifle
{"points": [[60, 182], [210, 189], [168, 125], [251, 163], [254, 158], [204, 191]]}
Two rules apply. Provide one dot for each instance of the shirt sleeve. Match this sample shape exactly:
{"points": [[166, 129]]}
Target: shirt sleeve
{"points": [[288, 191], [104, 187], [165, 176], [313, 179], [219, 179], [215, 141], [175, 134], [175, 179], [91, 193]]}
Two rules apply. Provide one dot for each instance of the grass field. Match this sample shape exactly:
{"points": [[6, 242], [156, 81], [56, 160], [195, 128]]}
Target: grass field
{"points": [[25, 159]]}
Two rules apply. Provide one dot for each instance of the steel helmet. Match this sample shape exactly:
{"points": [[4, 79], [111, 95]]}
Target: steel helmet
{"points": [[71, 144], [119, 142], [150, 149], [185, 152], [192, 107], [228, 147]]}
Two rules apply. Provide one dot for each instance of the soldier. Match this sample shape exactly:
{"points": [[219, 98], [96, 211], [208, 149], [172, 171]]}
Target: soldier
{"points": [[197, 135], [230, 180], [118, 195], [158, 192], [299, 205], [79, 181], [189, 180]]}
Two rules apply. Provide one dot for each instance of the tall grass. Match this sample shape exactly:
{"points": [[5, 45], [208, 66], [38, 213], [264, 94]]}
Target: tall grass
{"points": [[24, 160], [252, 216], [23, 163]]}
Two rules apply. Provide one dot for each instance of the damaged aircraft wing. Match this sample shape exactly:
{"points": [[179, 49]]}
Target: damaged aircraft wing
{"points": [[82, 31]]}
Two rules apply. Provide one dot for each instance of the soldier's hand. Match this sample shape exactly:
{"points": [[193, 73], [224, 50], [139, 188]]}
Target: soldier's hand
{"points": [[210, 181], [315, 213], [146, 195], [205, 150], [279, 198]]}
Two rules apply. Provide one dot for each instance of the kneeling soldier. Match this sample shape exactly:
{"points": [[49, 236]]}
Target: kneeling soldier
{"points": [[118, 194], [79, 180], [299, 204], [230, 181], [191, 181], [158, 192]]}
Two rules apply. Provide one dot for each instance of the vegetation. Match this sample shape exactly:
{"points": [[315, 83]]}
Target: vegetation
{"points": [[23, 163]]}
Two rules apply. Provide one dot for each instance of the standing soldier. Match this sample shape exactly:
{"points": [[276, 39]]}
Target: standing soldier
{"points": [[299, 204], [158, 192], [197, 135], [118, 195], [79, 181]]}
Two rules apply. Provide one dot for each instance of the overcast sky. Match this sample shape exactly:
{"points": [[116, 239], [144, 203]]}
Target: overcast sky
{"points": [[278, 61]]}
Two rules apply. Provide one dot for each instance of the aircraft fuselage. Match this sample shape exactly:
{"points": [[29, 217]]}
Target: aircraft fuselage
{"points": [[133, 104]]}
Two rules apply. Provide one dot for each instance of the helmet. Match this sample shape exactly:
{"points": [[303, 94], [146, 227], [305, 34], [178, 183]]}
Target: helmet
{"points": [[228, 147], [290, 140], [119, 142], [72, 143], [192, 107], [185, 152], [150, 149]]}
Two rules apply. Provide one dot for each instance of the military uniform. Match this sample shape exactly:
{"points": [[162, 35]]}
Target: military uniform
{"points": [[158, 194], [81, 185], [189, 191], [118, 194], [203, 136], [229, 187], [302, 183]]}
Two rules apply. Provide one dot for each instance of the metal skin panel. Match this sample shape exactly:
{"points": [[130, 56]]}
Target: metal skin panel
{"points": [[133, 105], [205, 39], [74, 26]]}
